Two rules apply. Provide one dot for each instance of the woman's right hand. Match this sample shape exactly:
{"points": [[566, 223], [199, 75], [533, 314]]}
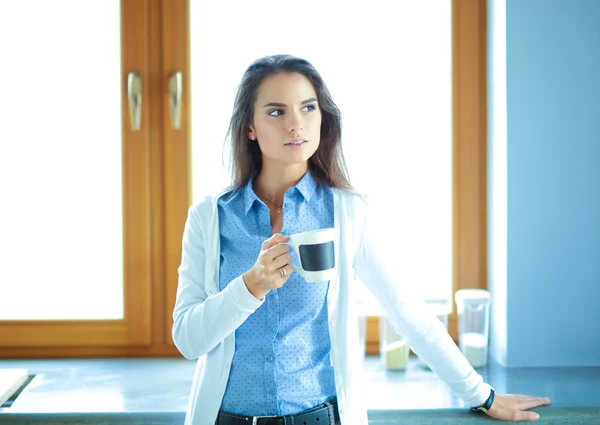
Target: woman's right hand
{"points": [[272, 268]]}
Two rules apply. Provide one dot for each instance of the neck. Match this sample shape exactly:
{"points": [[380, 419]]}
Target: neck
{"points": [[273, 181]]}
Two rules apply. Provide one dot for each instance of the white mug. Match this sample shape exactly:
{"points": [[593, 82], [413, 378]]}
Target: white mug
{"points": [[316, 252]]}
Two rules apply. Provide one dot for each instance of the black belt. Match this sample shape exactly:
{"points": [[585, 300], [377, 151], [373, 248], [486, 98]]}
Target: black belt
{"points": [[325, 414]]}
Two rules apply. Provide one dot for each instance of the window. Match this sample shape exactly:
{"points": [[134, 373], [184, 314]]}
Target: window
{"points": [[156, 174], [75, 249], [66, 192]]}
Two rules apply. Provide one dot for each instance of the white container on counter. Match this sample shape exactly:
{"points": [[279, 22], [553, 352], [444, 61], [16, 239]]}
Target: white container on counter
{"points": [[473, 308], [392, 347]]}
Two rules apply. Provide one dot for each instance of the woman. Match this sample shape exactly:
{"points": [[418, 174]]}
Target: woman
{"points": [[268, 343]]}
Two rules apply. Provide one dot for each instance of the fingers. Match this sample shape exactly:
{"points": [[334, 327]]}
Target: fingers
{"points": [[277, 238], [281, 261], [279, 268], [519, 416], [525, 402], [512, 415], [275, 257], [276, 251], [513, 407], [286, 271], [532, 402], [273, 263], [273, 260]]}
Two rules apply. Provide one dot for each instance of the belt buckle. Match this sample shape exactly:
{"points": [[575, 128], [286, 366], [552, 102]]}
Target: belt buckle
{"points": [[256, 418], [331, 412]]}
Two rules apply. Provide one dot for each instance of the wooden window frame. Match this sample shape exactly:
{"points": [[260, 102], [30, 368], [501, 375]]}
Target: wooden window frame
{"points": [[149, 303]]}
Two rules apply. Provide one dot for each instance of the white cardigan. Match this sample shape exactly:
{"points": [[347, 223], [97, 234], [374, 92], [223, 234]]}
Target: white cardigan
{"points": [[205, 319]]}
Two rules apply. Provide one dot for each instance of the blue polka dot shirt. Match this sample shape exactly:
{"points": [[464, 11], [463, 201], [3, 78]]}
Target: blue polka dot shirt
{"points": [[281, 363]]}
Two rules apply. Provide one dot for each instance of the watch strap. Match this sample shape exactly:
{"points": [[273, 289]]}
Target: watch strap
{"points": [[486, 406]]}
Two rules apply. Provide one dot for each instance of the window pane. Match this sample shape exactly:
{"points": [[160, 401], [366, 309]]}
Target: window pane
{"points": [[392, 83], [60, 161]]}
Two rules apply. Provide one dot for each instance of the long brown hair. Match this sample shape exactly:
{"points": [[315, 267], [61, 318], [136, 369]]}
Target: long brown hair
{"points": [[327, 165]]}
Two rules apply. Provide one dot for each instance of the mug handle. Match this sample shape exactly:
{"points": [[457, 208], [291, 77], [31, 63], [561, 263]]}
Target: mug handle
{"points": [[299, 269]]}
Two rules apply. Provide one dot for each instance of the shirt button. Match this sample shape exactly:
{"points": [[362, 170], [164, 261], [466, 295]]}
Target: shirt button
{"points": [[273, 328], [270, 358], [272, 391]]}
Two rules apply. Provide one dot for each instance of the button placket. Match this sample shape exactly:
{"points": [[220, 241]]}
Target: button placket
{"points": [[288, 216], [272, 319], [264, 221]]}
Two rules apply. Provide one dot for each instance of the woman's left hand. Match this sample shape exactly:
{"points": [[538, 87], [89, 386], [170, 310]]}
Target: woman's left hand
{"points": [[511, 407]]}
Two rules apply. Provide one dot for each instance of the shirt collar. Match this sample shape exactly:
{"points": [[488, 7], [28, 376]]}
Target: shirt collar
{"points": [[306, 187], [249, 196]]}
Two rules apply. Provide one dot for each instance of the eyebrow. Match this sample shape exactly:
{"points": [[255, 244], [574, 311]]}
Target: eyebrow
{"points": [[283, 105]]}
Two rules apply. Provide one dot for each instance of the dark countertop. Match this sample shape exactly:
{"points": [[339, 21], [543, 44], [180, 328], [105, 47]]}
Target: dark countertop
{"points": [[155, 391]]}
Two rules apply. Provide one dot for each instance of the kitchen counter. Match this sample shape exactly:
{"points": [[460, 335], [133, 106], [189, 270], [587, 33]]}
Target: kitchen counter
{"points": [[154, 391]]}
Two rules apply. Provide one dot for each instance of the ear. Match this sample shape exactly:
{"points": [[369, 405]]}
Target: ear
{"points": [[252, 133]]}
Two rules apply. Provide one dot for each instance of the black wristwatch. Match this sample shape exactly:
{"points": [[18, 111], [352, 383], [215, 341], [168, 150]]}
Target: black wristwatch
{"points": [[486, 406]]}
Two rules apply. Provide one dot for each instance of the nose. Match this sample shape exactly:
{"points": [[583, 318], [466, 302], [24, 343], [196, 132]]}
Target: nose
{"points": [[294, 123]]}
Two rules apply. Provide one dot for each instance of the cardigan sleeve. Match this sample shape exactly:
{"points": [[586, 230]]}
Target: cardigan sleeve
{"points": [[200, 321], [375, 265]]}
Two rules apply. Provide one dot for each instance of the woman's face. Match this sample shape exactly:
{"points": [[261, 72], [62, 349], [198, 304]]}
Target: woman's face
{"points": [[287, 119]]}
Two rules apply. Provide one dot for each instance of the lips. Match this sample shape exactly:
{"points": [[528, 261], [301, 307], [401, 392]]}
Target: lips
{"points": [[296, 142]]}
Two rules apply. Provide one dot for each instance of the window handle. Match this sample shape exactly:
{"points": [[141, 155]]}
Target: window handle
{"points": [[134, 93], [175, 91]]}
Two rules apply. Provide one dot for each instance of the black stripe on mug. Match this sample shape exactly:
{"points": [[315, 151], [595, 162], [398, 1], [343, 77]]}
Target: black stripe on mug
{"points": [[317, 257]]}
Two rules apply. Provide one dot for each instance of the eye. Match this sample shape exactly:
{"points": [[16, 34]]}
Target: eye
{"points": [[276, 112], [309, 108]]}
